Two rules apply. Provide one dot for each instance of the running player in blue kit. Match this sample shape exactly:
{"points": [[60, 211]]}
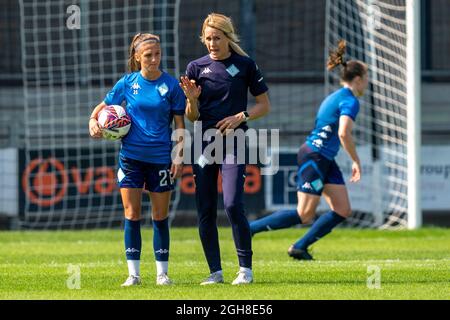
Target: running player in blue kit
{"points": [[318, 172], [153, 100], [216, 87]]}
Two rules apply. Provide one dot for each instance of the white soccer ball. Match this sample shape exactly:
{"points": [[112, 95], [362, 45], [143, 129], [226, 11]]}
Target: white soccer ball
{"points": [[114, 121]]}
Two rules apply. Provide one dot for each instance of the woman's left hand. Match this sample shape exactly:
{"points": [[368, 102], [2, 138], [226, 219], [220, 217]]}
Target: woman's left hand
{"points": [[176, 170], [231, 122]]}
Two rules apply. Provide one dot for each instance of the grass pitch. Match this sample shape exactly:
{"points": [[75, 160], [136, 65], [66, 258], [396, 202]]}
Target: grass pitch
{"points": [[411, 265]]}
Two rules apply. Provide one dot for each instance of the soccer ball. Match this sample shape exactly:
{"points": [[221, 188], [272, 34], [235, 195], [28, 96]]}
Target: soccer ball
{"points": [[114, 121]]}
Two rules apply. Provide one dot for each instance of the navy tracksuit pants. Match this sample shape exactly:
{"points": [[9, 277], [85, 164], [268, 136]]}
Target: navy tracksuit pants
{"points": [[233, 177]]}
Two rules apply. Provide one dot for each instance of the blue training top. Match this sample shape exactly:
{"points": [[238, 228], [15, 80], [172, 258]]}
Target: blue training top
{"points": [[225, 84], [151, 105], [324, 137]]}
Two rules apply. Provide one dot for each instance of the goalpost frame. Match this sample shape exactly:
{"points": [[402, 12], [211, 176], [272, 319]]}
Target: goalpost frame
{"points": [[413, 83]]}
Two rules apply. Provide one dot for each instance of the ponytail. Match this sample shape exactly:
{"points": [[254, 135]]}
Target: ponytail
{"points": [[236, 48], [350, 69], [336, 57], [133, 65]]}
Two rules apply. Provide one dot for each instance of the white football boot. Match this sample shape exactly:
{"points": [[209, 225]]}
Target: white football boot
{"points": [[132, 281], [215, 277], [163, 280], [244, 277]]}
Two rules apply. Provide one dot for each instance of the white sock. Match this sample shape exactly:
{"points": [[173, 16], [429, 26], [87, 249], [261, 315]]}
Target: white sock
{"points": [[134, 267], [246, 270], [162, 267]]}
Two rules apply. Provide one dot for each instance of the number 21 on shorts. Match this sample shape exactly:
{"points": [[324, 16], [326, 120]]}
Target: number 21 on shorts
{"points": [[165, 178]]}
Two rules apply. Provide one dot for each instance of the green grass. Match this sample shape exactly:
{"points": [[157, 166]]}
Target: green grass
{"points": [[413, 264]]}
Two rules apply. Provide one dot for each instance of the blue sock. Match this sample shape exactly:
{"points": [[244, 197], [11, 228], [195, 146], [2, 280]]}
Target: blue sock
{"points": [[133, 242], [161, 239], [320, 228], [277, 220]]}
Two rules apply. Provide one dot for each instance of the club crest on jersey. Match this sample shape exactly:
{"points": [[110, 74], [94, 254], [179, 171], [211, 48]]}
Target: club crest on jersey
{"points": [[232, 70], [163, 89], [135, 87]]}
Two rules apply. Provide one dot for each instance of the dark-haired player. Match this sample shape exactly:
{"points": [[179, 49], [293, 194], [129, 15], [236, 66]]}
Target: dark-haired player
{"points": [[318, 174]]}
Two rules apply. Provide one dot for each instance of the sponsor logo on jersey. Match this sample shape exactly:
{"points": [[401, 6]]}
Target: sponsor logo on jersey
{"points": [[206, 71], [318, 143], [135, 88], [322, 135]]}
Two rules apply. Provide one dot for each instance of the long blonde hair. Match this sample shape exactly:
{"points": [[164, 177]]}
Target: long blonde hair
{"points": [[138, 39], [223, 23]]}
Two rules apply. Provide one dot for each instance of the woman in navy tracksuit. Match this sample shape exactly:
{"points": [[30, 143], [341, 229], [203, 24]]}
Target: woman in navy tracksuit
{"points": [[216, 88]]}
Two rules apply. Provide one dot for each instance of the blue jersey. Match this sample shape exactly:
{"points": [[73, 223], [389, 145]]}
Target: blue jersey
{"points": [[225, 84], [324, 138], [151, 105]]}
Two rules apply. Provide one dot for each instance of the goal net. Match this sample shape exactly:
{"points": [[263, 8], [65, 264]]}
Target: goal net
{"points": [[71, 56]]}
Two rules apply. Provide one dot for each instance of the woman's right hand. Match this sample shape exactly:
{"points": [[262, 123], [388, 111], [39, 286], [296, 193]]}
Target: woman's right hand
{"points": [[356, 172], [94, 129], [191, 90]]}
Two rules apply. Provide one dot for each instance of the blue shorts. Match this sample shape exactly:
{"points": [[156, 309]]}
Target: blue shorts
{"points": [[137, 174], [315, 171]]}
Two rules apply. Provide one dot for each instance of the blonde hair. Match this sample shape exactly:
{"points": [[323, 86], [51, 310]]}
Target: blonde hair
{"points": [[138, 39], [223, 23]]}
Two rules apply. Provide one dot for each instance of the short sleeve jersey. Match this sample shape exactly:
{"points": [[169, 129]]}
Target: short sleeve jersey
{"points": [[225, 84], [151, 105], [324, 137]]}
